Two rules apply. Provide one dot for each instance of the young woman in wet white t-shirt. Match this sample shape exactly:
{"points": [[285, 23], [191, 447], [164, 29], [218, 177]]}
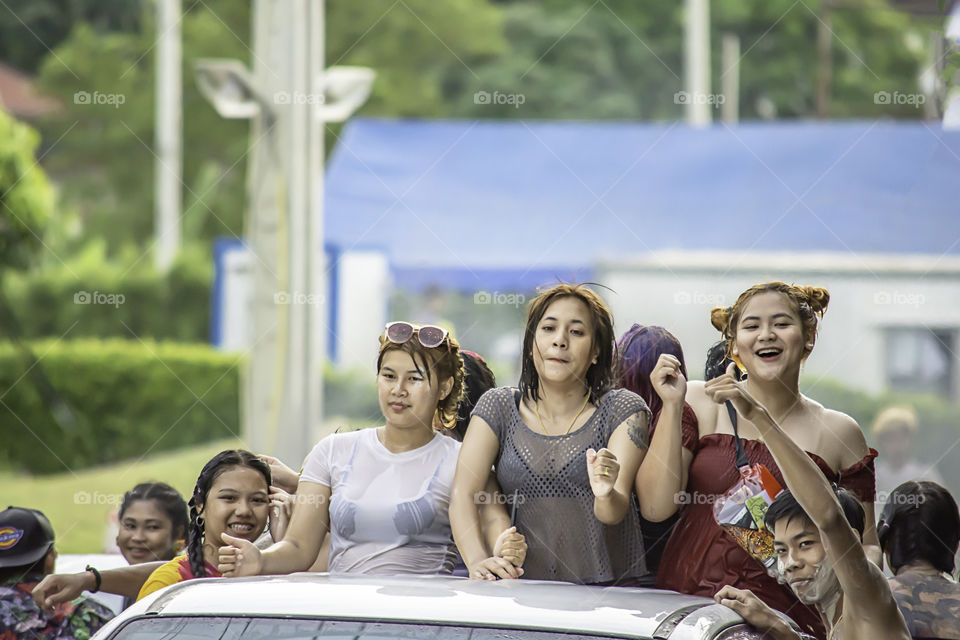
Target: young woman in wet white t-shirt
{"points": [[382, 493]]}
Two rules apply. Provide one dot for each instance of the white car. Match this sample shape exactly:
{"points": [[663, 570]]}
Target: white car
{"points": [[352, 607]]}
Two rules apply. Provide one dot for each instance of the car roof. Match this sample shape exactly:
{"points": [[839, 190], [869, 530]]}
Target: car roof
{"points": [[515, 604]]}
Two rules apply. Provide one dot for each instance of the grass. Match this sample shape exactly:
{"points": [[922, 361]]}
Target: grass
{"points": [[79, 504]]}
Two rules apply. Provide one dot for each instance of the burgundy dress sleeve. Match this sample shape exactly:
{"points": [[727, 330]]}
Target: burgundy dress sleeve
{"points": [[860, 478], [689, 428]]}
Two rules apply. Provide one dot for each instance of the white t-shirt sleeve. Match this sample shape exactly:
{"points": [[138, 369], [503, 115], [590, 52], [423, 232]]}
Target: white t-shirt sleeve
{"points": [[316, 467]]}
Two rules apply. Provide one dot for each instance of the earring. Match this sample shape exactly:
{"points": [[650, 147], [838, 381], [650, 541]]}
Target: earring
{"points": [[201, 523], [809, 345], [734, 350]]}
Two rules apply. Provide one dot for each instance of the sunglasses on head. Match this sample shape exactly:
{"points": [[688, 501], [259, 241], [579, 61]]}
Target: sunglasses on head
{"points": [[428, 335]]}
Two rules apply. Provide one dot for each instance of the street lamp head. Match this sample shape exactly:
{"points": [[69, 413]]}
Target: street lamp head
{"points": [[344, 89], [228, 86]]}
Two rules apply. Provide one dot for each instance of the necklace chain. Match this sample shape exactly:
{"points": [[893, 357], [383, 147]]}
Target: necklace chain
{"points": [[835, 625], [575, 418]]}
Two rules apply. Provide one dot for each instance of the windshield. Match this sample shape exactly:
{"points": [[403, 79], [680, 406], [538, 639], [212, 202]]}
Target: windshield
{"points": [[222, 628]]}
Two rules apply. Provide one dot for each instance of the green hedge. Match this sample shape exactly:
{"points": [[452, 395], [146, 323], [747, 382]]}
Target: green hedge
{"points": [[938, 438], [73, 300], [129, 398]]}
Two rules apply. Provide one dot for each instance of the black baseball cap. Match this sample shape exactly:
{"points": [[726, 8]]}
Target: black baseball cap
{"points": [[25, 536]]}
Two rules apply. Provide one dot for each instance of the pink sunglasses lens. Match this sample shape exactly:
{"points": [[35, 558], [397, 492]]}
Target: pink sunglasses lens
{"points": [[431, 336], [399, 332]]}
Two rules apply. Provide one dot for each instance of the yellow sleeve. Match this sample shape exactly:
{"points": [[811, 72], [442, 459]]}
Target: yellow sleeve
{"points": [[162, 576]]}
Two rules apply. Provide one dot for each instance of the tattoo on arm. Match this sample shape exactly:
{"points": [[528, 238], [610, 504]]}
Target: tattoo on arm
{"points": [[637, 430]]}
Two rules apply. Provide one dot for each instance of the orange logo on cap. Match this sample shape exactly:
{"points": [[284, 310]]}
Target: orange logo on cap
{"points": [[9, 537]]}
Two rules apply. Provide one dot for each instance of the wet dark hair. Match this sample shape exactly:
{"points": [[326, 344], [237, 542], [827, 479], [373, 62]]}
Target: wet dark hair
{"points": [[786, 506], [599, 377], [217, 465], [167, 499], [920, 522], [478, 379], [639, 349], [717, 360]]}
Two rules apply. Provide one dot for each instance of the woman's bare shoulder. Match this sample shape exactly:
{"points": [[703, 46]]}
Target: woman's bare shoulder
{"points": [[705, 408], [841, 431]]}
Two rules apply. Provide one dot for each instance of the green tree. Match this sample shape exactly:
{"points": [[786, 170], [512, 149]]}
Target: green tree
{"points": [[26, 198], [624, 59], [873, 48], [572, 59], [102, 144], [422, 50], [29, 29], [102, 152]]}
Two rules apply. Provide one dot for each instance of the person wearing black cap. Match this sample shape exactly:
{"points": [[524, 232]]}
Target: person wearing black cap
{"points": [[27, 553]]}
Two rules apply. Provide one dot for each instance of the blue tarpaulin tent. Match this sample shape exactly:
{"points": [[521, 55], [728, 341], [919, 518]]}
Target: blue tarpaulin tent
{"points": [[459, 203]]}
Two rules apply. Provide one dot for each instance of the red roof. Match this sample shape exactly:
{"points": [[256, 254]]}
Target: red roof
{"points": [[18, 97]]}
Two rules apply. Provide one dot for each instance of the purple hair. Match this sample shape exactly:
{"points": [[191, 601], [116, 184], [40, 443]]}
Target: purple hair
{"points": [[640, 348]]}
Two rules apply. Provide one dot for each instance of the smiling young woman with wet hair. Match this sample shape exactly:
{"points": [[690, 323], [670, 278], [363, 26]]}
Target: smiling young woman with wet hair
{"points": [[567, 449], [232, 496], [768, 332]]}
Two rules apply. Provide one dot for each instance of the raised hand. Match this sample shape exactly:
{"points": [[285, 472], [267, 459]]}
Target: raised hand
{"points": [[667, 379], [511, 546], [281, 510], [282, 475], [726, 387], [602, 469], [238, 558]]}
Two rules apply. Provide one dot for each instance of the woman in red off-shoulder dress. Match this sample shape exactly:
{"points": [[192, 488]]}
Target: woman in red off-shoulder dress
{"points": [[769, 332]]}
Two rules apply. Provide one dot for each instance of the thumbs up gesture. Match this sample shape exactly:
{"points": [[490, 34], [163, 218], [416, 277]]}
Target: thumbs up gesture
{"points": [[238, 558]]}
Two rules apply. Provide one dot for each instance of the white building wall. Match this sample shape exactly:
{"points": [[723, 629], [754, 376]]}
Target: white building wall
{"points": [[363, 296], [867, 295]]}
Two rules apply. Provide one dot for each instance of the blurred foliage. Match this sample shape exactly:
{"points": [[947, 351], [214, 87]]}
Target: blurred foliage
{"points": [[102, 154], [26, 198], [61, 299], [29, 29], [624, 59], [582, 59], [874, 48], [937, 438], [352, 396], [567, 58], [422, 50], [130, 398], [134, 397]]}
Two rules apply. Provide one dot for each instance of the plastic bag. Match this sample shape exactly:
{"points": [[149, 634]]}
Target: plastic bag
{"points": [[741, 509]]}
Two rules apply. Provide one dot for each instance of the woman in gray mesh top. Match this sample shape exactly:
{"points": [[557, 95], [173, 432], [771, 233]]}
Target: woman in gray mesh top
{"points": [[567, 449]]}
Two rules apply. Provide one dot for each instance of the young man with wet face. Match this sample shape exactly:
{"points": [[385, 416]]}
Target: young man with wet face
{"points": [[819, 554]]}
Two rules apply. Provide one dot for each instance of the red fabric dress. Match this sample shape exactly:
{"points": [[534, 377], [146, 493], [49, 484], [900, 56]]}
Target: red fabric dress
{"points": [[700, 557]]}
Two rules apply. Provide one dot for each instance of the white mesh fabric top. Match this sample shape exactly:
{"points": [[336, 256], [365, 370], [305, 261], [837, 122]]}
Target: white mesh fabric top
{"points": [[388, 511], [554, 503]]}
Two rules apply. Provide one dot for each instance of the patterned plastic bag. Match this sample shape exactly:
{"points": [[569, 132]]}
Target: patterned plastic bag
{"points": [[741, 509]]}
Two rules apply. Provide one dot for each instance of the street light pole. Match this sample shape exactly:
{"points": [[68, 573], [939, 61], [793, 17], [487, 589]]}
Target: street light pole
{"points": [[697, 62], [168, 136], [290, 97]]}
